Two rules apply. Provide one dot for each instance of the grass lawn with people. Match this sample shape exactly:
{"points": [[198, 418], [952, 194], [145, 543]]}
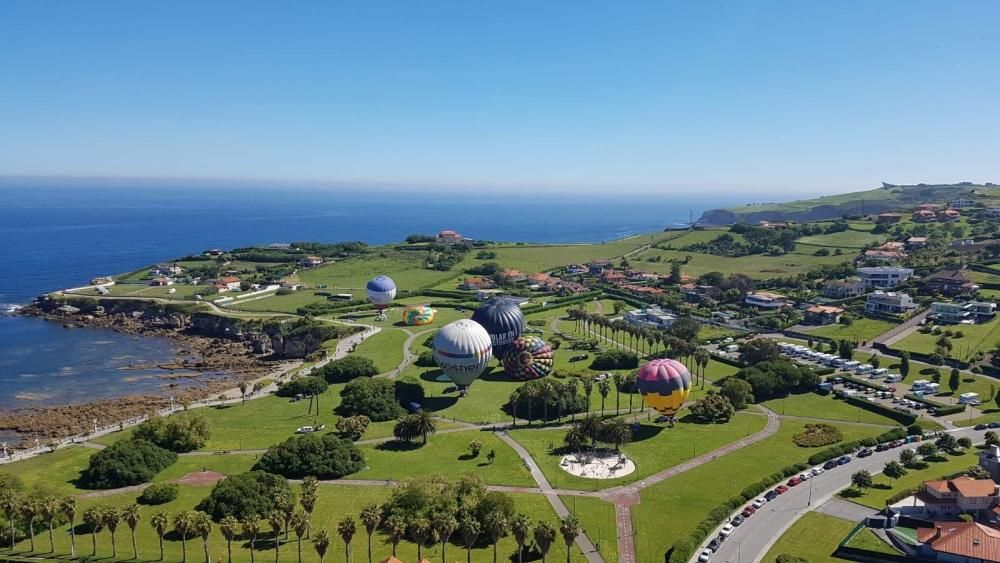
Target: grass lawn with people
{"points": [[814, 538], [672, 509]]}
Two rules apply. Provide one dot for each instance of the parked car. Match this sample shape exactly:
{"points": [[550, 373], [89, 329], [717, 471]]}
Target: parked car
{"points": [[726, 530], [715, 544], [993, 425], [794, 481], [759, 502], [748, 511], [805, 476], [579, 357], [865, 452], [817, 470], [781, 489], [881, 447], [771, 495], [705, 556], [737, 520], [980, 427], [843, 460]]}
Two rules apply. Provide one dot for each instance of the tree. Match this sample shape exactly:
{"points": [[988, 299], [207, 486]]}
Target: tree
{"points": [[374, 398], [575, 438], [68, 507], [29, 511], [759, 350], [587, 381], [300, 525], [861, 479], [49, 508], [470, 530], [244, 495], [874, 360], [713, 407], [675, 272], [569, 527], [371, 517], [520, 526], [978, 472], [243, 392], [203, 527], [947, 442], [346, 528], [322, 542], [965, 442], [184, 522], [125, 463], [991, 438], [739, 392], [92, 518], [395, 528], [251, 529], [229, 528], [444, 526], [954, 380], [285, 504], [307, 386], [544, 535], [276, 520], [616, 431], [603, 387], [308, 499], [417, 424], [180, 433], [497, 526], [160, 522], [11, 506], [347, 368], [491, 456], [904, 364], [893, 470], [927, 449], [419, 529], [132, 516], [908, 457], [353, 427], [325, 457]]}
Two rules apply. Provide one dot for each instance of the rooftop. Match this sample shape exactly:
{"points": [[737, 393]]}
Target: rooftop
{"points": [[964, 539]]}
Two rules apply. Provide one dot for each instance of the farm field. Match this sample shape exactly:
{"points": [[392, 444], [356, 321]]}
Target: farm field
{"points": [[849, 239], [756, 266], [814, 538], [404, 267]]}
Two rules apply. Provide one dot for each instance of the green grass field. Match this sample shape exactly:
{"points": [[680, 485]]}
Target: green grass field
{"points": [[827, 407], [849, 239], [756, 266], [861, 330], [404, 267], [978, 337], [385, 348], [281, 303], [884, 487], [597, 518], [814, 538], [672, 509]]}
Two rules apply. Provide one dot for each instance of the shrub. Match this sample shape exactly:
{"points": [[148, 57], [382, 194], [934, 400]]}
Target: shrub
{"points": [[713, 407], [615, 359], [178, 433], [324, 457], [159, 493], [681, 551], [309, 385], [409, 389], [244, 495], [125, 463], [738, 392], [425, 359], [346, 369], [374, 398]]}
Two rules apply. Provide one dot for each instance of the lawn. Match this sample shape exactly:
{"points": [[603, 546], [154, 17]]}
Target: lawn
{"points": [[882, 489], [597, 518], [404, 267], [844, 239], [672, 509], [814, 538], [54, 472], [445, 454], [861, 330], [826, 407], [281, 303], [655, 448], [757, 266], [535, 258], [385, 348], [866, 539], [977, 337]]}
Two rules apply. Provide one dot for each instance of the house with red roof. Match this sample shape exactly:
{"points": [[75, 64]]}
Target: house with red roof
{"points": [[966, 542], [228, 283]]}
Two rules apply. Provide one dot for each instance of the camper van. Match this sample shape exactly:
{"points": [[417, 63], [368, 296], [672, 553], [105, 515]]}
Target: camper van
{"points": [[918, 385], [878, 373], [969, 399], [893, 378], [863, 369]]}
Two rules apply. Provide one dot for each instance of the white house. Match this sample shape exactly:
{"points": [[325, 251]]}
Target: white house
{"points": [[766, 300], [227, 284], [993, 212], [960, 202], [889, 302], [884, 276], [653, 317]]}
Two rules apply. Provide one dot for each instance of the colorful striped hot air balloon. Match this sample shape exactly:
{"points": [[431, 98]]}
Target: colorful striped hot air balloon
{"points": [[418, 315], [665, 385], [529, 357]]}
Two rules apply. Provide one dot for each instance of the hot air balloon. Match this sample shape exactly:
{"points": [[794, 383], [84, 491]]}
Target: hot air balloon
{"points": [[664, 385], [462, 349], [529, 357], [381, 291], [503, 320], [418, 315]]}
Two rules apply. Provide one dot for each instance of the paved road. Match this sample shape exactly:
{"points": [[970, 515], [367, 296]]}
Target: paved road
{"points": [[846, 509], [751, 540]]}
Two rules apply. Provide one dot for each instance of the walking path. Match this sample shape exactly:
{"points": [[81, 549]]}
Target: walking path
{"points": [[901, 331]]}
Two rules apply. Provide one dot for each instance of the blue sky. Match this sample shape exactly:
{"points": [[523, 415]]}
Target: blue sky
{"points": [[660, 96]]}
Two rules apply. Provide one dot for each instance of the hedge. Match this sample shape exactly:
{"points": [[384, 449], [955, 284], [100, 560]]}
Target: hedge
{"points": [[826, 371], [848, 447], [886, 411], [941, 408], [865, 383]]}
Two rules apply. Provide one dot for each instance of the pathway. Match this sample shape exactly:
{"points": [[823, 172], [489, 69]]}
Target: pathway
{"points": [[846, 509], [902, 330], [589, 551]]}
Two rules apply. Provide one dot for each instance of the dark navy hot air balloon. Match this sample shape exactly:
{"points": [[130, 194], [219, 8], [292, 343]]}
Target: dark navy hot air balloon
{"points": [[503, 320]]}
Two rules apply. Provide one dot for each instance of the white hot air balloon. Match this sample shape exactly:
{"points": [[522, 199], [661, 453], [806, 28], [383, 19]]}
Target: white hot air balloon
{"points": [[462, 349], [381, 292]]}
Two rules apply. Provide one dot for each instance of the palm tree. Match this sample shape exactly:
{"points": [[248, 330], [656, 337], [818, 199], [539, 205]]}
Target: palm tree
{"points": [[444, 526], [276, 519], [569, 528], [419, 529], [160, 522], [29, 510], [497, 527], [603, 387], [49, 507], [546, 392], [111, 518], [251, 529], [68, 507], [470, 530], [203, 527], [183, 525], [346, 528], [630, 382], [572, 390], [286, 506], [11, 506], [395, 527], [619, 379], [544, 534], [371, 517], [243, 391], [132, 516], [310, 494], [300, 525], [229, 527], [529, 393], [588, 388], [92, 518], [616, 431], [424, 424], [520, 526], [321, 542], [559, 391]]}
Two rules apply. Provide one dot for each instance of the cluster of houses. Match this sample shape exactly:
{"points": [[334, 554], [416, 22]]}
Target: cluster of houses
{"points": [[631, 281]]}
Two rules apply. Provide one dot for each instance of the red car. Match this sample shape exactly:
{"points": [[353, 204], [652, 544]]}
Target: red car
{"points": [[794, 481], [781, 489], [748, 511]]}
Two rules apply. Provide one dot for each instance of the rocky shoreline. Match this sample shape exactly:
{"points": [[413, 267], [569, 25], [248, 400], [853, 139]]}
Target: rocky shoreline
{"points": [[197, 356]]}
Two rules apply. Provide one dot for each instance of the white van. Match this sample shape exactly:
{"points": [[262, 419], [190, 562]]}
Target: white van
{"points": [[969, 399], [732, 348], [919, 384], [849, 366], [893, 378], [863, 368]]}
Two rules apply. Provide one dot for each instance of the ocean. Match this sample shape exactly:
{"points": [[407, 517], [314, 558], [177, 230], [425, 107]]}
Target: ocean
{"points": [[62, 236]]}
